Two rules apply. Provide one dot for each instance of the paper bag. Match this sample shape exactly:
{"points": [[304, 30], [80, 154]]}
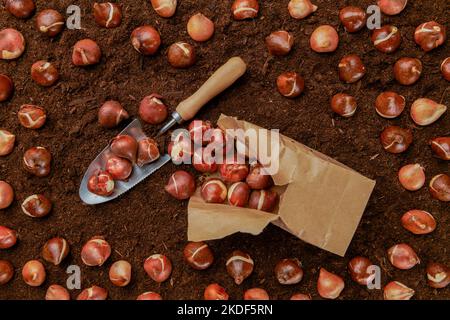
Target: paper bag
{"points": [[321, 200]]}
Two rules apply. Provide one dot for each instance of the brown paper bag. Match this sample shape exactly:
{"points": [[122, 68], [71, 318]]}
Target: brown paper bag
{"points": [[321, 200]]}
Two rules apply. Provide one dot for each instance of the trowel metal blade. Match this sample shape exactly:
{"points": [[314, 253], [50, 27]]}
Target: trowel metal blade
{"points": [[138, 175]]}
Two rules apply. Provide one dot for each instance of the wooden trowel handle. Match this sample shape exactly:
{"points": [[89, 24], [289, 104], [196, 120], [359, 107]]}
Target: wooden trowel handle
{"points": [[223, 78]]}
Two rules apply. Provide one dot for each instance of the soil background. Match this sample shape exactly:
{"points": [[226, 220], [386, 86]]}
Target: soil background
{"points": [[147, 220]]}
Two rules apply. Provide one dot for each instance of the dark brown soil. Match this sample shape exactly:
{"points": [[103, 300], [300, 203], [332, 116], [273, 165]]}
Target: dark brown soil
{"points": [[147, 220]]}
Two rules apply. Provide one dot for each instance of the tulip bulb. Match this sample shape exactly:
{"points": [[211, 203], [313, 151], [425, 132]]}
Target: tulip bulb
{"points": [[299, 9], [329, 285], [397, 291], [440, 187], [441, 147], [412, 177], [426, 111], [392, 7], [402, 256], [125, 146], [438, 275], [418, 222]]}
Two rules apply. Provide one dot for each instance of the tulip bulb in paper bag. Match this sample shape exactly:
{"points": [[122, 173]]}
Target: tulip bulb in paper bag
{"points": [[321, 200]]}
